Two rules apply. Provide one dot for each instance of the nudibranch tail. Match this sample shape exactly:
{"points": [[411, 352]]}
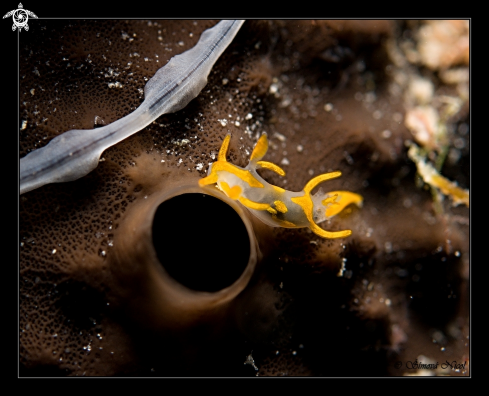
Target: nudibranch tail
{"points": [[307, 205], [274, 205], [339, 200]]}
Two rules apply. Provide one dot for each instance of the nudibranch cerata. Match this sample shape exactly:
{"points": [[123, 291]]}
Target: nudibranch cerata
{"points": [[272, 204]]}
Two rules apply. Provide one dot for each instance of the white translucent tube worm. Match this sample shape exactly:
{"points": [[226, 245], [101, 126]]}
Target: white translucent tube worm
{"points": [[75, 153]]}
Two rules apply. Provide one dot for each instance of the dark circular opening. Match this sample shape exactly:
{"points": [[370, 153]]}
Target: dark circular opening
{"points": [[200, 241]]}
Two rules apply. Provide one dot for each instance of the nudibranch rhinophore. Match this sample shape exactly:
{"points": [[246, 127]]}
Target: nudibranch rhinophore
{"points": [[272, 204]]}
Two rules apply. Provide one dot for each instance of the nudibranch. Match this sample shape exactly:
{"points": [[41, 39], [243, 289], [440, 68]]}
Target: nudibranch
{"points": [[274, 205]]}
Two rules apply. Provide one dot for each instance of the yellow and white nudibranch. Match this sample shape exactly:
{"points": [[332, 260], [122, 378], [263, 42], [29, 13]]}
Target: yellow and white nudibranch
{"points": [[274, 205]]}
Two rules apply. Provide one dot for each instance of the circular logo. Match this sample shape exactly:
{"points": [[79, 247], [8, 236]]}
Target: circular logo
{"points": [[20, 18]]}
